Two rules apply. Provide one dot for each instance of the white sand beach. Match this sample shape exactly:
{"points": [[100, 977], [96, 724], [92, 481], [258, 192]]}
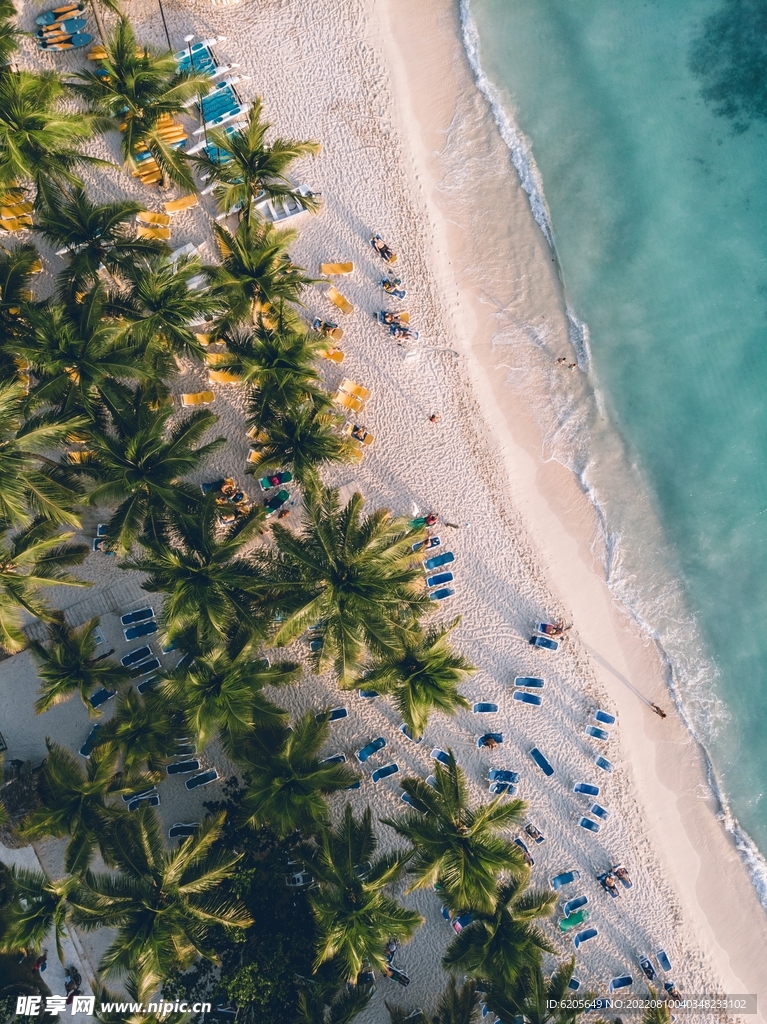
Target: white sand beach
{"points": [[385, 86]]}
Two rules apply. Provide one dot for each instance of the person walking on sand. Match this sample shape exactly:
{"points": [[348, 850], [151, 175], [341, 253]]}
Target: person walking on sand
{"points": [[658, 711]]}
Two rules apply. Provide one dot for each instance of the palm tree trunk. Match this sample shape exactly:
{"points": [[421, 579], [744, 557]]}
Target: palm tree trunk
{"points": [[99, 22]]}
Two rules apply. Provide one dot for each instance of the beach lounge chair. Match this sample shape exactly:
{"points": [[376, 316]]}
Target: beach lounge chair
{"points": [[604, 718], [136, 656], [92, 739], [529, 682], [183, 767], [352, 388], [441, 595], [589, 825], [431, 780], [181, 204], [152, 218], [145, 231], [526, 853], [153, 799], [490, 737], [575, 921], [541, 761], [440, 755], [223, 377], [565, 878], [197, 398], [142, 629], [135, 796], [595, 733], [383, 249], [336, 268], [599, 812], [575, 904], [315, 646], [544, 641], [604, 764], [502, 775], [254, 456], [406, 732], [144, 667], [439, 579], [335, 355], [618, 983], [354, 785], [623, 876], [101, 697], [203, 779], [146, 684], [338, 300], [439, 560], [181, 830], [484, 708], [407, 798], [298, 880], [332, 716], [574, 984], [385, 772], [428, 544], [394, 974], [339, 758], [368, 694], [586, 789], [535, 834], [141, 614], [501, 788], [348, 401], [527, 698], [584, 936], [647, 968], [661, 956], [276, 501]]}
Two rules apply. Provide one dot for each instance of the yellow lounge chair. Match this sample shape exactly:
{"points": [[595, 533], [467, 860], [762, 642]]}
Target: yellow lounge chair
{"points": [[257, 435], [16, 209], [37, 267], [368, 440], [223, 377], [336, 268], [254, 457], [150, 217], [203, 339], [335, 355], [354, 389], [98, 53], [338, 300], [356, 454], [15, 225], [348, 401], [144, 231], [198, 398], [181, 204], [151, 179], [216, 358]]}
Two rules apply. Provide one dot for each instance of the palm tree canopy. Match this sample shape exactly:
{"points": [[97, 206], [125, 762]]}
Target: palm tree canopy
{"points": [[141, 730], [287, 781], [17, 265], [252, 166], [304, 438], [355, 917], [354, 575], [9, 34], [503, 942], [164, 904], [458, 1006], [69, 664], [538, 999], [463, 849], [341, 1008], [214, 592], [139, 465], [38, 907], [420, 678], [221, 694], [36, 556]]}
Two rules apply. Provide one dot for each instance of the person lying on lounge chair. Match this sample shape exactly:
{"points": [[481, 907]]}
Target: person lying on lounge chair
{"points": [[324, 327], [359, 433], [381, 248]]}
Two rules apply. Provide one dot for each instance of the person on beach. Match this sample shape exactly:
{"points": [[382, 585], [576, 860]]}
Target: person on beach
{"points": [[489, 742], [658, 711], [42, 962], [435, 417], [428, 520]]}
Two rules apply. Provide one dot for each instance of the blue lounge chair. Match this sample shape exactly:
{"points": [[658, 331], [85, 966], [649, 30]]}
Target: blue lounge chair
{"points": [[597, 734], [574, 984], [586, 789], [370, 749], [315, 646], [334, 759], [277, 501], [143, 629], [647, 968], [499, 788], [442, 594], [535, 834], [459, 923], [661, 956], [575, 904], [407, 798], [431, 780], [599, 812], [440, 755], [332, 716], [589, 825], [169, 647], [183, 767], [541, 761], [484, 708], [584, 936], [623, 876], [439, 560], [369, 694], [135, 796], [133, 657], [183, 829], [502, 775], [523, 697], [603, 763], [145, 666], [101, 697], [385, 772], [203, 779], [146, 684], [523, 847], [93, 736], [531, 682], [618, 983], [565, 878], [428, 544], [396, 975], [545, 642], [497, 738], [131, 618], [153, 801], [439, 579], [406, 732], [604, 718], [354, 785]]}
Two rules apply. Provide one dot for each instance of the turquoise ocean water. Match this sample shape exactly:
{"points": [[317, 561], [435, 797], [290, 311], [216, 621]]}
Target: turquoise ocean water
{"points": [[641, 131]]}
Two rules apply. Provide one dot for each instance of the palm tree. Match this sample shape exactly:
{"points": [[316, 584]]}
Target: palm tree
{"points": [[303, 438], [74, 802], [420, 678], [354, 576], [141, 730], [140, 462], [95, 235], [535, 998], [17, 266], [9, 34], [256, 272], [164, 904], [137, 89], [214, 591], [34, 557], [38, 907], [458, 1006], [140, 989], [252, 167], [76, 357], [287, 780], [502, 942], [456, 847], [314, 1006], [69, 665], [38, 141], [31, 483], [354, 915], [220, 694], [659, 1013]]}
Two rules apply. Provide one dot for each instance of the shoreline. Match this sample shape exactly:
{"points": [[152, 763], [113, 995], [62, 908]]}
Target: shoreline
{"points": [[692, 841]]}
